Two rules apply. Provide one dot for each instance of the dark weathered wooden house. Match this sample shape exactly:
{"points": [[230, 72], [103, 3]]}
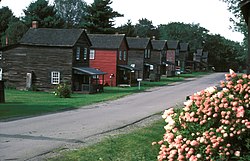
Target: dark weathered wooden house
{"points": [[183, 56], [172, 53], [47, 57], [158, 57], [139, 55], [109, 53]]}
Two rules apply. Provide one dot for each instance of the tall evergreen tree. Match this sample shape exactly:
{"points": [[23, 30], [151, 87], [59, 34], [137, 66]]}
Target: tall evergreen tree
{"points": [[42, 12], [100, 17], [71, 11]]}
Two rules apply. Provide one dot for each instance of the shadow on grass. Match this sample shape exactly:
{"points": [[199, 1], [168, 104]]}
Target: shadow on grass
{"points": [[14, 111]]}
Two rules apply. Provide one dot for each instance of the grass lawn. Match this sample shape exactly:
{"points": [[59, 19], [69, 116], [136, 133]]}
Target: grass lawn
{"points": [[28, 103], [134, 146]]}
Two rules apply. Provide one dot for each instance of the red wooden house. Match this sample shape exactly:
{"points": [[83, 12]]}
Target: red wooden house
{"points": [[109, 53]]}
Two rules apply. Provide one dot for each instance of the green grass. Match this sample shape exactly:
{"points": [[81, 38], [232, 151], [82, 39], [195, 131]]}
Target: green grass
{"points": [[28, 103], [134, 146]]}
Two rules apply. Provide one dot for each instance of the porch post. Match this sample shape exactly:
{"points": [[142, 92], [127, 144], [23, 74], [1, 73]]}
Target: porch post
{"points": [[90, 84], [130, 80]]}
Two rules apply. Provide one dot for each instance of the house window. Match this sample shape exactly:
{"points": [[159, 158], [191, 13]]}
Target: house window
{"points": [[55, 77], [78, 53], [149, 53], [92, 54], [145, 53], [85, 52], [120, 55], [124, 55], [1, 73]]}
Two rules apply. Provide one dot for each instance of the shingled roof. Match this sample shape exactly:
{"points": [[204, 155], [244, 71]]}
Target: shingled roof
{"points": [[106, 41], [138, 43], [52, 37], [184, 47], [173, 44], [159, 44]]}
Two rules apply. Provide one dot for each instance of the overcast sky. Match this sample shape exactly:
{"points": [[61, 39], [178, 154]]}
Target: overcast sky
{"points": [[210, 14]]}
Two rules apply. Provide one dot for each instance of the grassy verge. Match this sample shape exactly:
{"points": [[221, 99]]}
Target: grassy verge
{"points": [[27, 103], [134, 146]]}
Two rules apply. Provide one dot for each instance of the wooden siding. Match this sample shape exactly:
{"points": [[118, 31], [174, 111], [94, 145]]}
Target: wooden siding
{"points": [[123, 48], [171, 57], [106, 61], [137, 57], [40, 61], [82, 43]]}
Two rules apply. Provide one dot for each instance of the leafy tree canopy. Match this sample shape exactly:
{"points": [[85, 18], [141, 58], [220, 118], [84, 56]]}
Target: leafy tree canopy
{"points": [[15, 31], [6, 16], [145, 28], [99, 17], [128, 29], [42, 12], [71, 11]]}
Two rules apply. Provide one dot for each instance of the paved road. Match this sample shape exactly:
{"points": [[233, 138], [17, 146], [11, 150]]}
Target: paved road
{"points": [[27, 138]]}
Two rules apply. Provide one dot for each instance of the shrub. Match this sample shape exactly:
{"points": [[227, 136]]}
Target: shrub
{"points": [[63, 90], [213, 125]]}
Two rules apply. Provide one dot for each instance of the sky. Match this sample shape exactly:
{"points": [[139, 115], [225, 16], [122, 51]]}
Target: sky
{"points": [[210, 14]]}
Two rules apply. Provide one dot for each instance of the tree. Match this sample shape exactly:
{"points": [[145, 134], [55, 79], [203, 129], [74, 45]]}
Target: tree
{"points": [[99, 17], [43, 13], [6, 16], [15, 31], [71, 11], [239, 24], [191, 33], [223, 54], [145, 28], [127, 29]]}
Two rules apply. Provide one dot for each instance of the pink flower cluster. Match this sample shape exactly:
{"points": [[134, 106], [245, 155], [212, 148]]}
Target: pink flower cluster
{"points": [[210, 124]]}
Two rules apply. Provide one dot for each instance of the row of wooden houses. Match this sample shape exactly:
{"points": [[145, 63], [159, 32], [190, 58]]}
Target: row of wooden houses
{"points": [[46, 57]]}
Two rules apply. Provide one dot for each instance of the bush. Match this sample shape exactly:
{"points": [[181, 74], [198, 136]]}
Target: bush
{"points": [[213, 125], [63, 90]]}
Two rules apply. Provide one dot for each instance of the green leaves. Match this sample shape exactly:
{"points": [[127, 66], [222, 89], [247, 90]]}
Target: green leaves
{"points": [[42, 12]]}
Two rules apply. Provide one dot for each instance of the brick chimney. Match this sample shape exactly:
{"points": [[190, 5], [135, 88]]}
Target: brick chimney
{"points": [[34, 24]]}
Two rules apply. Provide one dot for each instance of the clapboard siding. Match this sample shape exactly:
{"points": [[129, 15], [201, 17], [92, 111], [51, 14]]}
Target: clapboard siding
{"points": [[106, 60], [137, 57], [40, 61]]}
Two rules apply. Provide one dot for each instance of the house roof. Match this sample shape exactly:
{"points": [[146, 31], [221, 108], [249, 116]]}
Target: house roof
{"points": [[159, 44], [173, 44], [138, 43], [184, 47], [106, 41], [88, 71], [52, 37]]}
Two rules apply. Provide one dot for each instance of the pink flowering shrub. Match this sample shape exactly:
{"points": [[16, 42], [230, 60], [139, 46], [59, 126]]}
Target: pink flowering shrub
{"points": [[213, 125]]}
